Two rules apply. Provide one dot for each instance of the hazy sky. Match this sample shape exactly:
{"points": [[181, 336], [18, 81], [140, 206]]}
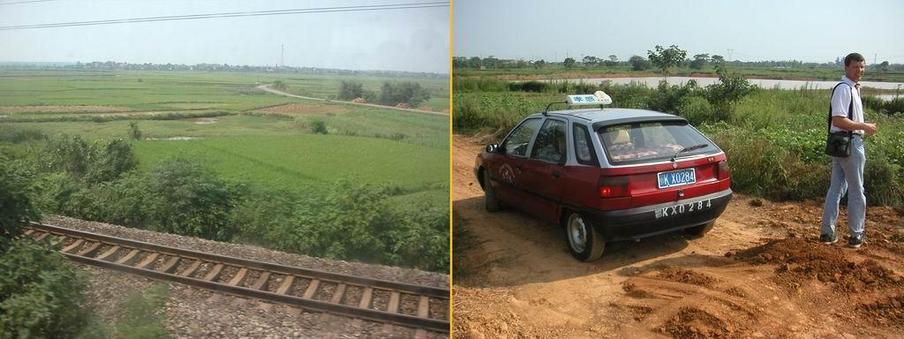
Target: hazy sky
{"points": [[812, 30], [405, 39]]}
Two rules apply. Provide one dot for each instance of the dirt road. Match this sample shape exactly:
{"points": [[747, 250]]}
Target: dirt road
{"points": [[278, 92], [759, 273]]}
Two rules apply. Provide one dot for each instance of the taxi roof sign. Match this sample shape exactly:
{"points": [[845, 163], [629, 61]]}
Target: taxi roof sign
{"points": [[597, 98]]}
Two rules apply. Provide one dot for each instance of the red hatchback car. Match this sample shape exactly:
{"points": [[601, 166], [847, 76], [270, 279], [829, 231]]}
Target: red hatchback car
{"points": [[607, 175]]}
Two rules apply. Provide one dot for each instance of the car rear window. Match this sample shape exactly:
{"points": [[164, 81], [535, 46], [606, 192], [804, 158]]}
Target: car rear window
{"points": [[652, 141]]}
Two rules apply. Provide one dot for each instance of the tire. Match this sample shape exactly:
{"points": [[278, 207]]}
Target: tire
{"points": [[584, 241], [699, 231], [490, 202]]}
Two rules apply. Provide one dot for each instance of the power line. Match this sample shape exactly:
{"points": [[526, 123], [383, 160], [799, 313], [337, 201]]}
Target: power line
{"points": [[362, 8], [24, 2]]}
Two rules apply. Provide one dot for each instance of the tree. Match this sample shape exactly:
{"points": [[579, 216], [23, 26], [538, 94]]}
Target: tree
{"points": [[884, 66], [639, 63], [539, 63], [569, 62], [717, 59], [350, 90], [490, 62], [613, 61], [666, 58], [730, 89], [590, 60], [699, 61], [474, 62]]}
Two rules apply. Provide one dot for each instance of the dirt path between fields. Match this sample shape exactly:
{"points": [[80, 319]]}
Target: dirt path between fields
{"points": [[758, 273], [278, 92]]}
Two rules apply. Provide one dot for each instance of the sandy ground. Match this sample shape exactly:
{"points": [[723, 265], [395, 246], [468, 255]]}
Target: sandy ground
{"points": [[759, 273]]}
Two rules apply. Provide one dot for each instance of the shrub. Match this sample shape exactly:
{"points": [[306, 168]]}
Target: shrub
{"points": [[403, 92], [16, 206], [188, 199], [319, 127], [134, 132], [139, 314], [349, 90], [39, 293]]}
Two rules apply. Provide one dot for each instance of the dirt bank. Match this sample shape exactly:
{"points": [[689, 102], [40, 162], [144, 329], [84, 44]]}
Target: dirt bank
{"points": [[759, 273]]}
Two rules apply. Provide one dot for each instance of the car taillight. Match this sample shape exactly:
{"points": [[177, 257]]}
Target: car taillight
{"points": [[614, 187], [724, 171]]}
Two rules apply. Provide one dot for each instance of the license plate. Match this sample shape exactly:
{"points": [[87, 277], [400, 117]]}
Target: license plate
{"points": [[677, 209], [676, 178]]}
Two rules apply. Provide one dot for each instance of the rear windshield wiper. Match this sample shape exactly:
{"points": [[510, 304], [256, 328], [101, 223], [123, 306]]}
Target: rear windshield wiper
{"points": [[688, 149]]}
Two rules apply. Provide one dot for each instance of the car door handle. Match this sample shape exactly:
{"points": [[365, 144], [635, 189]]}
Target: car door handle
{"points": [[556, 174]]}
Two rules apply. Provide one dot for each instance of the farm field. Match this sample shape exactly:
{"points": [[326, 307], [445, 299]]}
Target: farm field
{"points": [[308, 152]]}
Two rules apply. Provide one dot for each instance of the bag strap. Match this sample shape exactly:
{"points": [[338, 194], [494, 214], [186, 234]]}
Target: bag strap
{"points": [[850, 107]]}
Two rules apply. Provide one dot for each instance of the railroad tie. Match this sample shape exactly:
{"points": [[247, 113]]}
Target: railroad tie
{"points": [[108, 253], [394, 298], [29, 231], [337, 295], [191, 269], [73, 245], [170, 265], [42, 236], [88, 250], [238, 277], [284, 287], [214, 273], [366, 297], [312, 288], [57, 241], [148, 260], [261, 281], [423, 311], [128, 257]]}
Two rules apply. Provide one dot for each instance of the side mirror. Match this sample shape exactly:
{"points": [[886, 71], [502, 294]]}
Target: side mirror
{"points": [[493, 148]]}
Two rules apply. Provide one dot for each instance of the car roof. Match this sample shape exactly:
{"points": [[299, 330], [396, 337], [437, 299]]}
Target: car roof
{"points": [[611, 116]]}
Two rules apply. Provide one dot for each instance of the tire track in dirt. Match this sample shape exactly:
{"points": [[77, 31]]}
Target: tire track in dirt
{"points": [[759, 273]]}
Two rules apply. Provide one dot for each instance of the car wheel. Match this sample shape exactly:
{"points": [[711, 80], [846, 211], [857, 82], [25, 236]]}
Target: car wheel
{"points": [[584, 241], [699, 231], [490, 201]]}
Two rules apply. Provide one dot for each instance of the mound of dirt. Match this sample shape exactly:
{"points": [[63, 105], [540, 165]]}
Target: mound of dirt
{"points": [[686, 276], [359, 100], [403, 105], [889, 311], [800, 260], [696, 323]]}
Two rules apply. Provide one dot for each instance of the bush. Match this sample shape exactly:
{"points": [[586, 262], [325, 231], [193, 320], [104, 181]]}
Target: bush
{"points": [[403, 92], [319, 127], [139, 314], [134, 132], [350, 90], [188, 199], [16, 206], [93, 163], [39, 293]]}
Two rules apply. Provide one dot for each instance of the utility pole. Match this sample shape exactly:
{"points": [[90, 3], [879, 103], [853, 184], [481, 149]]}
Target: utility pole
{"points": [[282, 55]]}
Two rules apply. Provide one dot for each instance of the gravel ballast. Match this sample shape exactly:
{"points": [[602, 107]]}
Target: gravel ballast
{"points": [[196, 313]]}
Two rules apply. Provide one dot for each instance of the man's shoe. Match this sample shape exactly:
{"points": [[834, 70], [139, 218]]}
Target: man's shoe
{"points": [[855, 241], [828, 239]]}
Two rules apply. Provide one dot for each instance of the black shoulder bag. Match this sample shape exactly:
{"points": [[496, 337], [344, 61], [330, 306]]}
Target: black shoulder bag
{"points": [[838, 144]]}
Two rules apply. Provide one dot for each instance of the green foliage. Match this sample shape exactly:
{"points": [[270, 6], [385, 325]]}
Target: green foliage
{"points": [[319, 127], [11, 134], [93, 163], [134, 132], [16, 206], [115, 159], [39, 293], [280, 85], [403, 92], [191, 200], [731, 88], [140, 317], [639, 63], [350, 90], [666, 58], [569, 62]]}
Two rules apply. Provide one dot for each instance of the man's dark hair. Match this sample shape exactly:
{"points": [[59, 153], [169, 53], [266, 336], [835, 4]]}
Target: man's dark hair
{"points": [[853, 57]]}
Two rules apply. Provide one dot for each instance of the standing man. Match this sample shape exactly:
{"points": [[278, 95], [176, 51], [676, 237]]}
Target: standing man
{"points": [[847, 173]]}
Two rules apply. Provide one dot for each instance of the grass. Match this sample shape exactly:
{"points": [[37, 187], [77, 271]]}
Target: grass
{"points": [[307, 161]]}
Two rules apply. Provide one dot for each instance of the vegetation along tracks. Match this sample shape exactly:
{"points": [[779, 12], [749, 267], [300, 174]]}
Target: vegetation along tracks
{"points": [[421, 307]]}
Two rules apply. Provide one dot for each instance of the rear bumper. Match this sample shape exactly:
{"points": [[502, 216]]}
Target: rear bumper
{"points": [[641, 222]]}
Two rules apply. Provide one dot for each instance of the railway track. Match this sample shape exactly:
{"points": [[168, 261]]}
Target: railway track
{"points": [[420, 307]]}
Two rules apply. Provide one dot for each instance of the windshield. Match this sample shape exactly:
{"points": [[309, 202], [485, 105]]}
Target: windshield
{"points": [[652, 141]]}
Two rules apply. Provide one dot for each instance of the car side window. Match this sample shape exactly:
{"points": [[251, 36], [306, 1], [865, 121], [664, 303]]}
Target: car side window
{"points": [[583, 149], [550, 144], [516, 143]]}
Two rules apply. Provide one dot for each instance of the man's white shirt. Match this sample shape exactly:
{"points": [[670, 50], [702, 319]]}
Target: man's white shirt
{"points": [[841, 100]]}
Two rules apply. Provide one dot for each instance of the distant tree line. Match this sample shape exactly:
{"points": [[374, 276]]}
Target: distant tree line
{"points": [[391, 94], [206, 67]]}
